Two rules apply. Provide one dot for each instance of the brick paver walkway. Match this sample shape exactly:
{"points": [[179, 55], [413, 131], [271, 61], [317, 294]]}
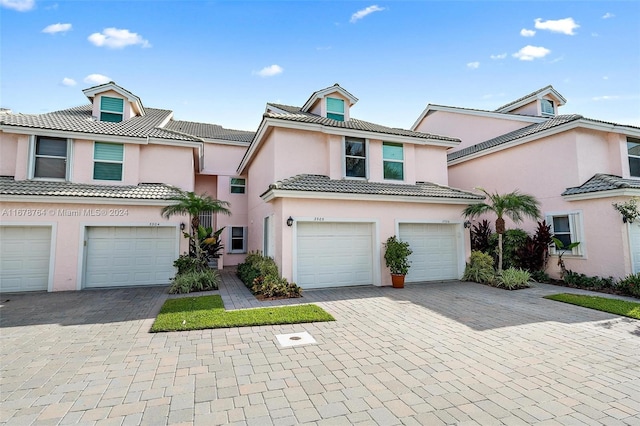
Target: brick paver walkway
{"points": [[439, 353]]}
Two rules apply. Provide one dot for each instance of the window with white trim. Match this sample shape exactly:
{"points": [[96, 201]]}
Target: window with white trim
{"points": [[633, 152], [107, 161], [111, 109], [567, 227], [50, 158], [335, 109], [237, 239], [355, 157], [546, 107], [393, 161], [238, 185]]}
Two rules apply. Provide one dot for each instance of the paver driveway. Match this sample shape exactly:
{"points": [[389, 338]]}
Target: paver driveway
{"points": [[454, 353]]}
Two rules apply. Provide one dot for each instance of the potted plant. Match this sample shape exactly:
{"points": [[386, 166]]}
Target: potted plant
{"points": [[396, 256]]}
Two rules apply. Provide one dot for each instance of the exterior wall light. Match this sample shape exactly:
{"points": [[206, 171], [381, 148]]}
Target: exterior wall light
{"points": [[290, 221], [467, 224], [182, 226]]}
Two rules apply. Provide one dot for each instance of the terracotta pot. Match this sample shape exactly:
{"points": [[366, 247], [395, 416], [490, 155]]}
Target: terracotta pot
{"points": [[397, 280]]}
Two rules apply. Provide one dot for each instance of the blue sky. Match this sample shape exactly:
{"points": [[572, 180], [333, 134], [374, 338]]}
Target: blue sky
{"points": [[221, 61]]}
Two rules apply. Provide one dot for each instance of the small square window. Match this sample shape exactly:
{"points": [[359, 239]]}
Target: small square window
{"points": [[238, 239], [238, 185], [546, 107], [633, 152], [50, 158], [566, 227], [393, 161], [355, 157], [111, 109], [107, 161], [335, 109]]}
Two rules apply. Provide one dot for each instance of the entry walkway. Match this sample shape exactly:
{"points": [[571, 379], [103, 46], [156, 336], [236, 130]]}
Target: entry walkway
{"points": [[430, 354]]}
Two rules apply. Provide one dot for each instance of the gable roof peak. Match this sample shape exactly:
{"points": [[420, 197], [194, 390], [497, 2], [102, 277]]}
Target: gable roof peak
{"points": [[91, 92], [319, 94], [537, 94]]}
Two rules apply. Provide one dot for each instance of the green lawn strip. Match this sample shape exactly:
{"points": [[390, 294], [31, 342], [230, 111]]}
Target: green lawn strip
{"points": [[198, 313], [613, 306]]}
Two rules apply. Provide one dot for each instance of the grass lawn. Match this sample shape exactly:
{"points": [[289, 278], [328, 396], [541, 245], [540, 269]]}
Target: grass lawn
{"points": [[613, 306], [197, 313]]}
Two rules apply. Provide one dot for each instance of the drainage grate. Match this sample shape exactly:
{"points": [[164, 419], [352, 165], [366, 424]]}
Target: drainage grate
{"points": [[295, 339]]}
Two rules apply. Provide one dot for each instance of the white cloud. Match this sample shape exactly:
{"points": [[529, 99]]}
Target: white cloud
{"points": [[608, 15], [19, 5], [57, 28], [364, 12], [473, 65], [605, 98], [527, 33], [115, 38], [606, 77], [69, 81], [500, 56], [270, 71], [563, 26], [96, 79], [529, 53]]}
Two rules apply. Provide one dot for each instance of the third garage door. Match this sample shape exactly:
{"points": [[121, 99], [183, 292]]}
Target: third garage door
{"points": [[333, 254], [435, 251]]}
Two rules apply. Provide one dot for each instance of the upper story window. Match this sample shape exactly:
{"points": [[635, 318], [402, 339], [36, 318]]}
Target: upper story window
{"points": [[567, 228], [355, 157], [546, 107], [238, 185], [335, 109], [633, 152], [107, 161], [50, 158], [111, 109], [393, 161]]}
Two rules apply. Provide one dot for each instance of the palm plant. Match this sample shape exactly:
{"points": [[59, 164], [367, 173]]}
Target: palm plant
{"points": [[513, 205], [190, 203]]}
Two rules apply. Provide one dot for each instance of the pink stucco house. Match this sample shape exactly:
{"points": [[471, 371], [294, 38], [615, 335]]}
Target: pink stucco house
{"points": [[576, 167], [81, 192]]}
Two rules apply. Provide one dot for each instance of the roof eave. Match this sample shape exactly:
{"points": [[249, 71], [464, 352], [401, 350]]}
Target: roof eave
{"points": [[609, 193], [273, 193]]}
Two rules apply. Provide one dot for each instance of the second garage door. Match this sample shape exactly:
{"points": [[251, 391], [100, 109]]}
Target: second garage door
{"points": [[129, 256], [24, 258], [435, 251], [334, 254]]}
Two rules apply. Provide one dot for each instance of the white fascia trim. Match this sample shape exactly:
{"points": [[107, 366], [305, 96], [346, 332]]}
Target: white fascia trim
{"points": [[166, 120], [550, 91], [81, 200], [96, 90], [279, 193], [73, 135], [626, 192], [487, 114], [327, 91], [226, 142], [174, 142]]}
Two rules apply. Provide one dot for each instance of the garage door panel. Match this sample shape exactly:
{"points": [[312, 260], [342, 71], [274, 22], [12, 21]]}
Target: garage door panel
{"points": [[334, 254], [435, 251], [24, 258], [129, 256]]}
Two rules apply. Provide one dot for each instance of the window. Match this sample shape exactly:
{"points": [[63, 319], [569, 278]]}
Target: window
{"points": [[633, 150], [393, 161], [111, 109], [335, 109], [107, 161], [567, 227], [546, 106], [50, 159], [238, 185], [355, 157], [238, 239]]}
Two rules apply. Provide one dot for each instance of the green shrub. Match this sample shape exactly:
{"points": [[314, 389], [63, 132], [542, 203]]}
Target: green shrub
{"points": [[186, 263], [256, 265], [480, 268], [480, 235], [630, 285], [512, 241], [513, 278], [274, 286], [540, 277], [195, 281], [590, 283]]}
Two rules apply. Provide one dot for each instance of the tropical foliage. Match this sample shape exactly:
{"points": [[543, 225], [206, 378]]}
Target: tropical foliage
{"points": [[260, 274]]}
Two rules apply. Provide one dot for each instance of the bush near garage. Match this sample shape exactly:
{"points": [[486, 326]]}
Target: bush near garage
{"points": [[260, 274], [630, 285]]}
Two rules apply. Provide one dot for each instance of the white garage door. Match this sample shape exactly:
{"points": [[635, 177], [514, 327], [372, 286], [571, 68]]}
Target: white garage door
{"points": [[24, 258], [334, 254], [435, 251], [129, 256], [634, 237]]}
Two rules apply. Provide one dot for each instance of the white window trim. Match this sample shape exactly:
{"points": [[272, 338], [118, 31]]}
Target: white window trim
{"points": [[344, 159], [107, 161], [244, 240], [235, 185], [268, 236], [124, 101], [576, 230], [393, 161], [328, 111], [631, 156], [546, 113], [32, 160]]}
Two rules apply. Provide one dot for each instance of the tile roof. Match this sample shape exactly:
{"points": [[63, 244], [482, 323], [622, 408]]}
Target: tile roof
{"points": [[319, 183], [293, 113], [603, 182], [209, 131], [532, 94], [143, 191], [516, 134]]}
